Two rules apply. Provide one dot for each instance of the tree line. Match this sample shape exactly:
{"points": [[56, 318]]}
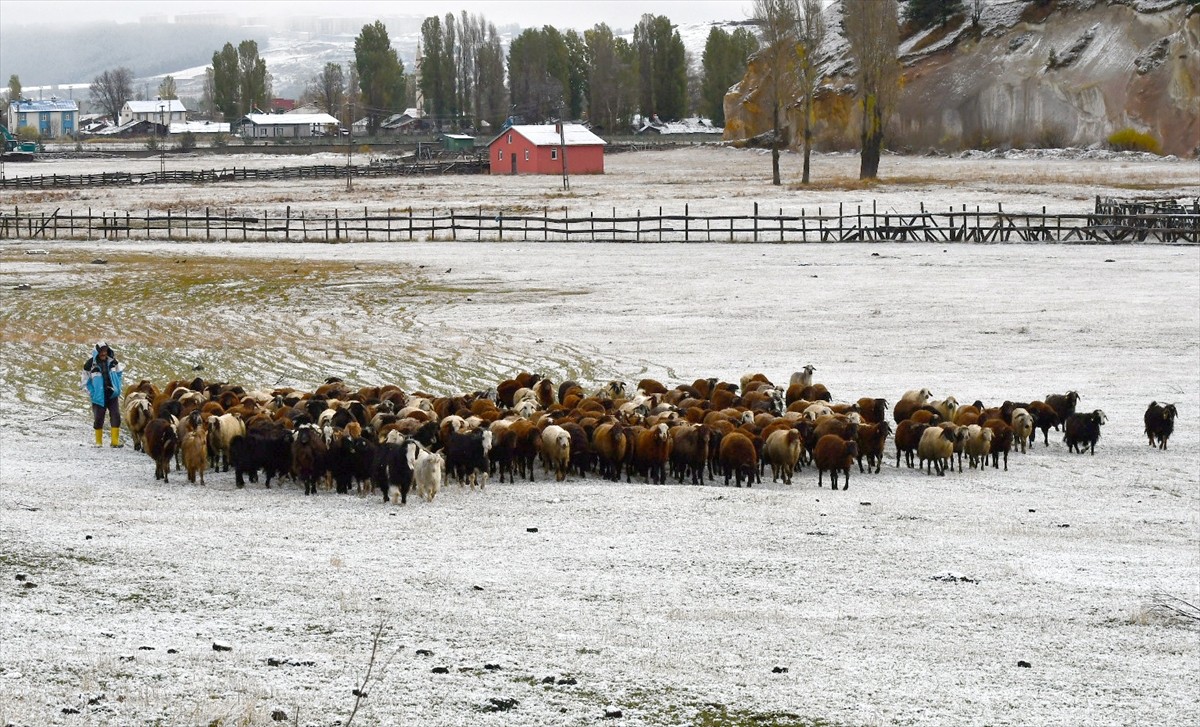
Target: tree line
{"points": [[463, 77]]}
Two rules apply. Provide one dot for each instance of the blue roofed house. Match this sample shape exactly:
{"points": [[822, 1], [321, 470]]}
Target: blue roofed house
{"points": [[53, 118]]}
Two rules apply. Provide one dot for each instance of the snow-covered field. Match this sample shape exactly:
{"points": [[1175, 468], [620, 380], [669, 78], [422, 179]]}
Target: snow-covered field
{"points": [[710, 180], [674, 604]]}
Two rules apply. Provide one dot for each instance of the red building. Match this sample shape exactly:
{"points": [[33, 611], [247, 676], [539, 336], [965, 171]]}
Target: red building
{"points": [[536, 150]]}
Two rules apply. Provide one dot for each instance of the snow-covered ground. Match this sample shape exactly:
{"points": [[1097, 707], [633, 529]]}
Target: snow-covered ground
{"points": [[710, 180], [675, 604]]}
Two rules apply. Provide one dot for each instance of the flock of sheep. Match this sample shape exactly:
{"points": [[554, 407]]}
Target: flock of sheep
{"points": [[382, 438]]}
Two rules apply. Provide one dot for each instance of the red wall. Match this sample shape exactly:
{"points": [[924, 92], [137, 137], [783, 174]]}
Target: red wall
{"points": [[580, 159]]}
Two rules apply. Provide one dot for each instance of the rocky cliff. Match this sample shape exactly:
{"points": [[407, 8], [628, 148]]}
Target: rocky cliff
{"points": [[1065, 74]]}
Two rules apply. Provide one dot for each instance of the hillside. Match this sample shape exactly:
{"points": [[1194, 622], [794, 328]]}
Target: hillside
{"points": [[1070, 75]]}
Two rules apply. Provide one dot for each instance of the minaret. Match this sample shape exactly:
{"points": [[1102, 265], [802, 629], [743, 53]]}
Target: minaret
{"points": [[419, 97]]}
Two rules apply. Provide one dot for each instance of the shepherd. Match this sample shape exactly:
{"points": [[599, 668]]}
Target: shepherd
{"points": [[102, 375]]}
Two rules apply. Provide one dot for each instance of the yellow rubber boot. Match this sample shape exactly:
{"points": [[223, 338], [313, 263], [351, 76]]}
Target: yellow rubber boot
{"points": [[99, 437], [115, 433]]}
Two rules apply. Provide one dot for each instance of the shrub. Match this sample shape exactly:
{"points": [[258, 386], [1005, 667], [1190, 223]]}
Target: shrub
{"points": [[220, 139], [187, 141], [29, 133], [152, 143], [1133, 140]]}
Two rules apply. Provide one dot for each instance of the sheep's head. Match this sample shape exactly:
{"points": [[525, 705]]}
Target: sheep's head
{"points": [[1099, 416], [1169, 413], [1073, 397]]}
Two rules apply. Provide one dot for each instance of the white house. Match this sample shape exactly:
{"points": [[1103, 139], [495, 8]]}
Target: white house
{"points": [[286, 126], [163, 112], [56, 117]]}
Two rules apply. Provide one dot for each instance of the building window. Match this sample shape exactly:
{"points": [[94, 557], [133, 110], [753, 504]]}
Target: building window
{"points": [[510, 138], [499, 155], [526, 155], [553, 152]]}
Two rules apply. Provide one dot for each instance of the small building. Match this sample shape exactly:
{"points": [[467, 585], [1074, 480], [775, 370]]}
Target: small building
{"points": [[282, 105], [409, 122], [286, 126], [535, 149], [163, 112], [53, 118], [135, 128], [458, 143]]}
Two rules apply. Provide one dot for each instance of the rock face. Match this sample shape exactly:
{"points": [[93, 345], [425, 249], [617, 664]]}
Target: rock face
{"points": [[1069, 75]]}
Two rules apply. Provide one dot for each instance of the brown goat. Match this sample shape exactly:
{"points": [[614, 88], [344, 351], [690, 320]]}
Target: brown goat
{"points": [[873, 411], [651, 452], [611, 443]]}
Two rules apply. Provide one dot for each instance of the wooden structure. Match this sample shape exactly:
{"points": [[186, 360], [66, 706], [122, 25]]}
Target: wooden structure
{"points": [[840, 225]]}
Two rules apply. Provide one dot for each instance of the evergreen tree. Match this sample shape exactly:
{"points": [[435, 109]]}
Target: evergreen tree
{"points": [[380, 74], [662, 68], [538, 74], [225, 82], [611, 80], [722, 65], [923, 14]]}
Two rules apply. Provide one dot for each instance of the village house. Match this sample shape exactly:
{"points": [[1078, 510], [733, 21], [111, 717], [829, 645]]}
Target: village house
{"points": [[53, 118], [535, 149], [163, 112], [285, 126]]}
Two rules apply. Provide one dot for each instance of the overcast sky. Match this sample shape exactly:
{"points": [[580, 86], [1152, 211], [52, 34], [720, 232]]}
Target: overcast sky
{"points": [[559, 13]]}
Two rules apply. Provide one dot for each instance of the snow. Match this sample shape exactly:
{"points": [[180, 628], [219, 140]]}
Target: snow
{"points": [[657, 600]]}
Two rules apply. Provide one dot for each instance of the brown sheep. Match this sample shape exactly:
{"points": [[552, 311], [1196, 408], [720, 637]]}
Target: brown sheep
{"points": [[161, 442], [1062, 404], [690, 452], [908, 436], [871, 440], [611, 443], [651, 452], [650, 386], [816, 392], [1002, 441], [873, 411], [1044, 418], [834, 454], [195, 453], [738, 458]]}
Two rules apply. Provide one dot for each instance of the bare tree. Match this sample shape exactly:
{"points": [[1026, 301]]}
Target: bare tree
{"points": [[111, 89], [812, 35], [777, 21], [872, 29], [327, 89]]}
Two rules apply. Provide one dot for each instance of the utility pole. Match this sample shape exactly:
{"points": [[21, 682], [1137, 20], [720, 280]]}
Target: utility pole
{"points": [[162, 147], [562, 149], [350, 149]]}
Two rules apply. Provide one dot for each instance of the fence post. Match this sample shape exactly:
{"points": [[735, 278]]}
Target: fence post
{"points": [[592, 219], [756, 221], [686, 221], [638, 230], [545, 224], [453, 226], [287, 223], [410, 224], [660, 223], [803, 226], [168, 223], [127, 225], [366, 224], [781, 224], [207, 224], [479, 225]]}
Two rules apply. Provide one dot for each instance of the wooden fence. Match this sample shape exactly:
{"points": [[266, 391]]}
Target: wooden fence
{"points": [[469, 165], [837, 225]]}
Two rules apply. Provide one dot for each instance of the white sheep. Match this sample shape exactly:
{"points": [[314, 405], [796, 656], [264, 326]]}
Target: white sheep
{"points": [[803, 377], [918, 396], [936, 447], [429, 472], [556, 451], [947, 407], [978, 445], [782, 449], [221, 431], [1022, 424], [815, 411]]}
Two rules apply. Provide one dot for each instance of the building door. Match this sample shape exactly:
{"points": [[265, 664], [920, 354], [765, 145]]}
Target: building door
{"points": [[514, 163]]}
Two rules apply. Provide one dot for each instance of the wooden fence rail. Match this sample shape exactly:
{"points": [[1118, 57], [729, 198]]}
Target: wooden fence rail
{"points": [[840, 225], [466, 165]]}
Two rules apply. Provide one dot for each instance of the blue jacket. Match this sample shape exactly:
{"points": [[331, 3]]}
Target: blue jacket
{"points": [[93, 378]]}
